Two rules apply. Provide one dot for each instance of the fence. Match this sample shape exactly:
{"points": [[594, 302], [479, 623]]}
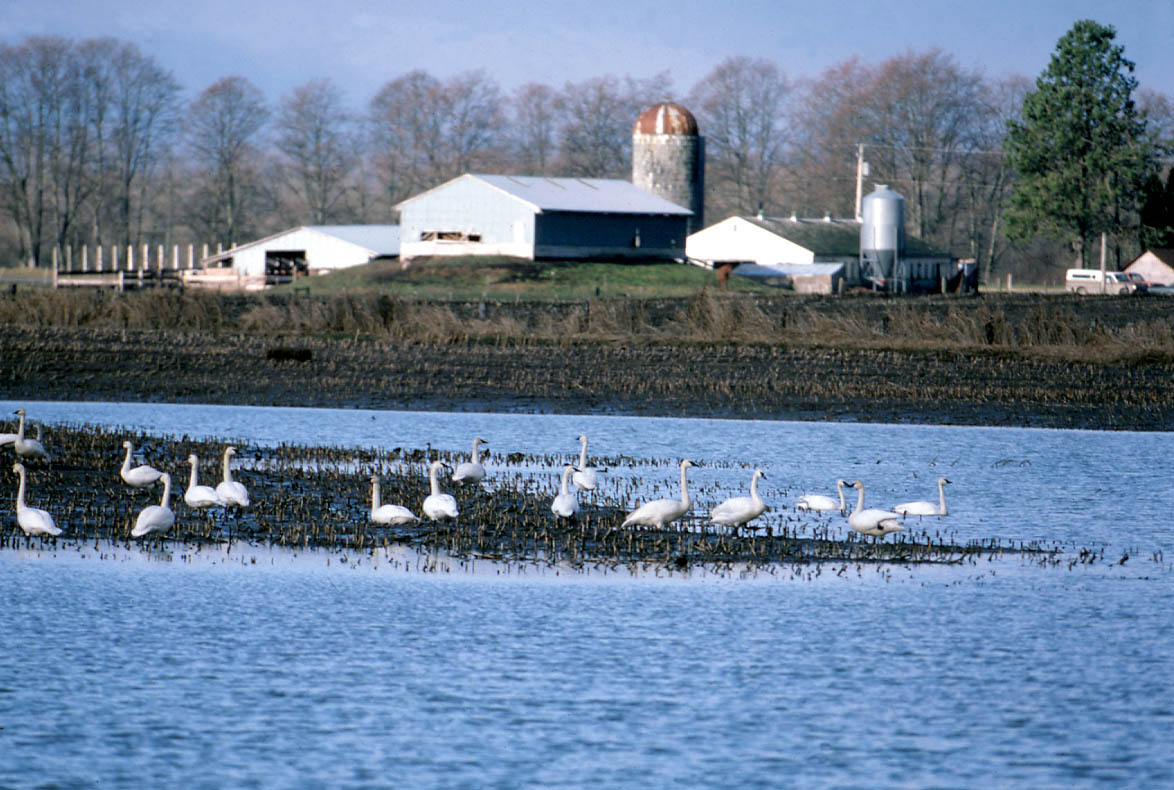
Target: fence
{"points": [[123, 269]]}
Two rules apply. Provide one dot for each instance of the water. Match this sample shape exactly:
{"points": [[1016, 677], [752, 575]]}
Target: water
{"points": [[274, 669]]}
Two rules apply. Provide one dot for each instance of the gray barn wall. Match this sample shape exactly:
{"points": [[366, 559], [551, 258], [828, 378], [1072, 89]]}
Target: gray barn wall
{"points": [[584, 235]]}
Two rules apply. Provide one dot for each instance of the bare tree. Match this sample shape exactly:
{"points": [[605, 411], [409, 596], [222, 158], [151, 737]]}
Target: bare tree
{"points": [[535, 124], [224, 127], [135, 118], [599, 114], [741, 108], [425, 131], [317, 144]]}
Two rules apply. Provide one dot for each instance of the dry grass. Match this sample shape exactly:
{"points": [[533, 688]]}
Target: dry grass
{"points": [[1057, 328]]}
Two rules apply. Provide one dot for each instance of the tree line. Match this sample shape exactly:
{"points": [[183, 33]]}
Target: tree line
{"points": [[99, 145]]}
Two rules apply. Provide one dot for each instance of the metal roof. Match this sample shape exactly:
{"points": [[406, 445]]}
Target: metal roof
{"points": [[788, 269], [376, 239], [834, 237], [589, 195]]}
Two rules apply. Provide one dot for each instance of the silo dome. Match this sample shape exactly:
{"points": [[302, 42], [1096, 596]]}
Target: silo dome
{"points": [[666, 118], [882, 235], [668, 158]]}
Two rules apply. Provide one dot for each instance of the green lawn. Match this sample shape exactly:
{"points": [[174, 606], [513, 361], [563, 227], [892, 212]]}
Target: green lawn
{"points": [[513, 279]]}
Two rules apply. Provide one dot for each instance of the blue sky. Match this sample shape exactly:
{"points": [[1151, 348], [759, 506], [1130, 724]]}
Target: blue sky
{"points": [[361, 45]]}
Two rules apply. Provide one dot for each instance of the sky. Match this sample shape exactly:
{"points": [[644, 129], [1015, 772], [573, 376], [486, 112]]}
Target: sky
{"points": [[281, 44]]}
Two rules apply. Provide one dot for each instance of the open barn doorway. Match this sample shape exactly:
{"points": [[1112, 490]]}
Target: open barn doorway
{"points": [[283, 266]]}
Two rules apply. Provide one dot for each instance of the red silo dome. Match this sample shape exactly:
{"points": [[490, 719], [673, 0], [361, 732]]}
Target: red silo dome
{"points": [[666, 118]]}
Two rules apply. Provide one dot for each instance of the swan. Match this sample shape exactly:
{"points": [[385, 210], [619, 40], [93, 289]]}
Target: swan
{"points": [[661, 512], [387, 514], [585, 477], [199, 496], [566, 504], [156, 518], [137, 476], [230, 491], [471, 471], [32, 520], [822, 502], [437, 505], [27, 448], [873, 521], [924, 508], [736, 511]]}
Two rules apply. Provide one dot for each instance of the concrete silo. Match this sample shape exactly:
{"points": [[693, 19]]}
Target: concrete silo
{"points": [[668, 158], [882, 239]]}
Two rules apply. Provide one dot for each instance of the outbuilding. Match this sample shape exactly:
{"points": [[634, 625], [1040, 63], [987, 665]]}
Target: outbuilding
{"points": [[542, 218], [1155, 266], [307, 249], [786, 245]]}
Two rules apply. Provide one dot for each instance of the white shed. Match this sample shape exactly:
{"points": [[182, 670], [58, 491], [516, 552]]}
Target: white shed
{"points": [[308, 249], [1156, 266], [789, 244]]}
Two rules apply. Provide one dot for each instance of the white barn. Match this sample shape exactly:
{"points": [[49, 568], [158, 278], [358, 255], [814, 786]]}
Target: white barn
{"points": [[1156, 266], [542, 218], [768, 246], [308, 249]]}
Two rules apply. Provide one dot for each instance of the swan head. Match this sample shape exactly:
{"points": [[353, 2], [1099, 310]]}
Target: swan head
{"points": [[229, 451], [943, 481], [857, 484], [193, 460], [18, 467], [687, 464], [20, 412], [760, 473], [165, 478], [582, 437]]}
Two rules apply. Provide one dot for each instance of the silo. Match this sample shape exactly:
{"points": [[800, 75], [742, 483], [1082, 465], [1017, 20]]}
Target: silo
{"points": [[668, 158], [882, 239]]}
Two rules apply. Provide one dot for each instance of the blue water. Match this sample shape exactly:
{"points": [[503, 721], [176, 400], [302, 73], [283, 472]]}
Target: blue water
{"points": [[271, 669]]}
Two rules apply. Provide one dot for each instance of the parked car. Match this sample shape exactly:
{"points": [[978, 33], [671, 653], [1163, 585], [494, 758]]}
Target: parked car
{"points": [[1161, 290], [1139, 282], [1095, 281]]}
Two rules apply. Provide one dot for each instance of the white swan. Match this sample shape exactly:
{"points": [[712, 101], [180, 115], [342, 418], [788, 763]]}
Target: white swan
{"points": [[585, 478], [28, 448], [925, 508], [32, 520], [199, 496], [822, 502], [661, 512], [471, 471], [566, 504], [736, 511], [387, 514], [228, 490], [137, 476], [156, 518], [7, 438], [873, 521], [437, 505]]}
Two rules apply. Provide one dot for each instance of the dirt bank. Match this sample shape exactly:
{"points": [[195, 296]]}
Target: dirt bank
{"points": [[742, 381]]}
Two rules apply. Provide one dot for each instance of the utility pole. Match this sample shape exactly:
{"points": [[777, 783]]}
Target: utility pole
{"points": [[861, 172], [1104, 285]]}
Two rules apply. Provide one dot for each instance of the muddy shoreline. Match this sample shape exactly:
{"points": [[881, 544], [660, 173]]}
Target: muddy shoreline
{"points": [[685, 380]]}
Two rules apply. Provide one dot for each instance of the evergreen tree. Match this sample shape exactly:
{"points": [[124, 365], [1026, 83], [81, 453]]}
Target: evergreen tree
{"points": [[1080, 148], [1157, 214]]}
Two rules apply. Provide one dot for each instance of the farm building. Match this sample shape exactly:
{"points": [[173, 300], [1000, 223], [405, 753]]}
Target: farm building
{"points": [[761, 244], [542, 218], [309, 249], [1156, 266]]}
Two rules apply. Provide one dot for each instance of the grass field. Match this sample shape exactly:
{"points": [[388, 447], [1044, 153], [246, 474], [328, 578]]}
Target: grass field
{"points": [[512, 279]]}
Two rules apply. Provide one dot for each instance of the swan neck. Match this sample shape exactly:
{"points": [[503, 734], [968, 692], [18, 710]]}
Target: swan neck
{"points": [[583, 454], [375, 494], [859, 500], [126, 461], [840, 491], [566, 477], [20, 430], [166, 490], [227, 470], [754, 490], [476, 450], [192, 478], [432, 481], [941, 498], [20, 490], [684, 487]]}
